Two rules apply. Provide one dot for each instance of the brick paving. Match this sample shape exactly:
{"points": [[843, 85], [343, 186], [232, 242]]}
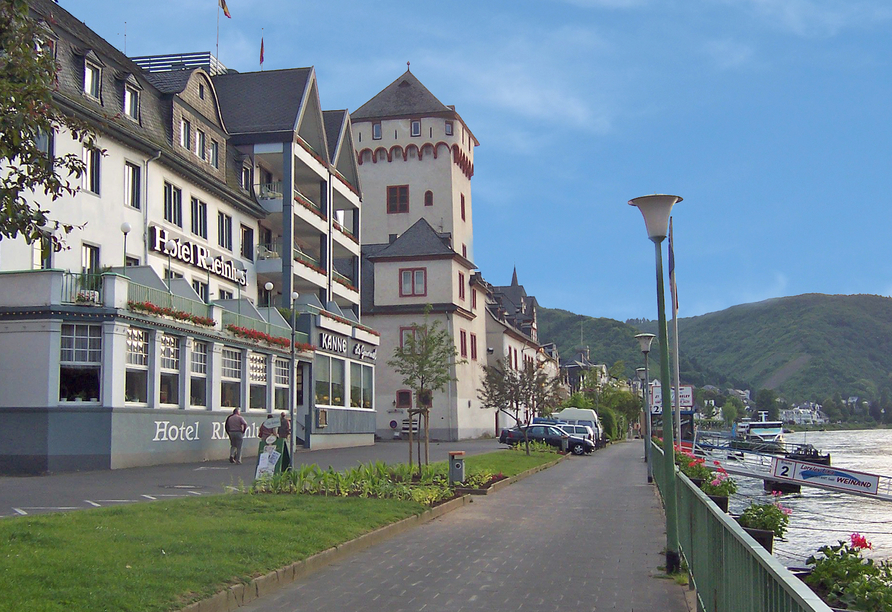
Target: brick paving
{"points": [[587, 534]]}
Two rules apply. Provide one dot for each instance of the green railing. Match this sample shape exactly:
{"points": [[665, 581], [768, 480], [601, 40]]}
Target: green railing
{"points": [[304, 258], [730, 571], [344, 279], [307, 202], [81, 288], [277, 331], [159, 297]]}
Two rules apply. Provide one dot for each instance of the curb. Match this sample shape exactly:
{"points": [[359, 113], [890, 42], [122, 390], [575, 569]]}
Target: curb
{"points": [[239, 595]]}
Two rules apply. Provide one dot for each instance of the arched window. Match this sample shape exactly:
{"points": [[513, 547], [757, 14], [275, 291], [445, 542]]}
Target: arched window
{"points": [[428, 198]]}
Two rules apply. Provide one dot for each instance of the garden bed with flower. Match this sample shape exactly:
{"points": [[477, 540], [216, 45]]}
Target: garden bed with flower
{"points": [[846, 580], [173, 313]]}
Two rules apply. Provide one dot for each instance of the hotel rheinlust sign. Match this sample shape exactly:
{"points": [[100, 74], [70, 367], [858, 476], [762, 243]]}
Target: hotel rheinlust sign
{"points": [[194, 254]]}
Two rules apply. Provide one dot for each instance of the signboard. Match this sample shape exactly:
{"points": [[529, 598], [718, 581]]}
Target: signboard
{"points": [[656, 397], [330, 342], [825, 475], [270, 457], [195, 255]]}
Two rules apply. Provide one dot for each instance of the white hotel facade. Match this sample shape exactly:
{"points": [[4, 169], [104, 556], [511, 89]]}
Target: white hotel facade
{"points": [[131, 346]]}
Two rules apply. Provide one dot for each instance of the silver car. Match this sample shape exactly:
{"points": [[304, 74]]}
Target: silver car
{"points": [[581, 431]]}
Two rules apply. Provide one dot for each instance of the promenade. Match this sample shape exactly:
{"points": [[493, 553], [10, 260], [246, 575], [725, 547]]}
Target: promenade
{"points": [[587, 534]]}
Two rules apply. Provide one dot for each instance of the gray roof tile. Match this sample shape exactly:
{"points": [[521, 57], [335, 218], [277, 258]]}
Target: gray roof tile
{"points": [[405, 96], [420, 240], [267, 101]]}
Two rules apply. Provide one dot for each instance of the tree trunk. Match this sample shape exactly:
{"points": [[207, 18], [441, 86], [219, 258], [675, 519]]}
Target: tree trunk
{"points": [[427, 437], [410, 440]]}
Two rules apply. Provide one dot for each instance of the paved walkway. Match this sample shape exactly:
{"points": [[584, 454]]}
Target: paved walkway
{"points": [[586, 534]]}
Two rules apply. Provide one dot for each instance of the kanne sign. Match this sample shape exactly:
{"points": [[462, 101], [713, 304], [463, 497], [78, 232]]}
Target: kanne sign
{"points": [[656, 397]]}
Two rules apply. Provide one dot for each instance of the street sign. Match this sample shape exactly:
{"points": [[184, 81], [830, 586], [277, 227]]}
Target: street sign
{"points": [[831, 477], [656, 397]]}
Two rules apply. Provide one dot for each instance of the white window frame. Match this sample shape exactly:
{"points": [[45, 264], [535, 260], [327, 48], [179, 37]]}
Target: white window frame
{"points": [[186, 134], [92, 80], [201, 144], [415, 123], [131, 102], [132, 191]]}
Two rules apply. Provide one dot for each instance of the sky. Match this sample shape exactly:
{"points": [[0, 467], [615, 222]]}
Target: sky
{"points": [[769, 117]]}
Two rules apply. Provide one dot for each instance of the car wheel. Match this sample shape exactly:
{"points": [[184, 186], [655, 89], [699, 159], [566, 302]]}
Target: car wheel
{"points": [[578, 448]]}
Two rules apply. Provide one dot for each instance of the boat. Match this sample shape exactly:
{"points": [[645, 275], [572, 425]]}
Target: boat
{"points": [[760, 436], [809, 454]]}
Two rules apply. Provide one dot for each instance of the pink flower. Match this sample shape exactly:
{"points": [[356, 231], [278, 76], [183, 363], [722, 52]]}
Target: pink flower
{"points": [[860, 542], [716, 482]]}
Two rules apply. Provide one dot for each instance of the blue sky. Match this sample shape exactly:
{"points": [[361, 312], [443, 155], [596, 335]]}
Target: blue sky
{"points": [[769, 117]]}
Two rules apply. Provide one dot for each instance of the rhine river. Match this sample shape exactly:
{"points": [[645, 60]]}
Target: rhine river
{"points": [[822, 517]]}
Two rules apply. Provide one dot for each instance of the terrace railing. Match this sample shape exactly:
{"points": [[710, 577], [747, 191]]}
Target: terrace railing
{"points": [[730, 571], [81, 288], [277, 331], [141, 293]]}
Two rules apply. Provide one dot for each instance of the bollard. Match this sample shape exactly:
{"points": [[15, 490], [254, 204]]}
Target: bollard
{"points": [[456, 467]]}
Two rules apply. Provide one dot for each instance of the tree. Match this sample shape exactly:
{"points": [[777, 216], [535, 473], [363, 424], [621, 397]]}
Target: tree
{"points": [[766, 400], [28, 118], [729, 411], [426, 361], [618, 370]]}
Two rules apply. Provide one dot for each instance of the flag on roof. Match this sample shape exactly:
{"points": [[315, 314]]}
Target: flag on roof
{"points": [[225, 8], [261, 50]]}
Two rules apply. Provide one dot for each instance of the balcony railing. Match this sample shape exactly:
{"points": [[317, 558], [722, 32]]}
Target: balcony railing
{"points": [[308, 203], [308, 260], [81, 288], [346, 280], [164, 299], [269, 191], [270, 250], [730, 571], [276, 331]]}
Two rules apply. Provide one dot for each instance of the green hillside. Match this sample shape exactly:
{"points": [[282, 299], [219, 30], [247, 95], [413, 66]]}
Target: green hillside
{"points": [[805, 347]]}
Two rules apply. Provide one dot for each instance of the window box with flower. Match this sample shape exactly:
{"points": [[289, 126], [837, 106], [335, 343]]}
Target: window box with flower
{"points": [[843, 577], [764, 522], [719, 486]]}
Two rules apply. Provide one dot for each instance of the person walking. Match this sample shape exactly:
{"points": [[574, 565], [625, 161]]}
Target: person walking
{"points": [[235, 427]]}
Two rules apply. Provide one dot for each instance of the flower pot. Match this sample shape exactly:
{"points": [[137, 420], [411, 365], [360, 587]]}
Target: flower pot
{"points": [[765, 537], [697, 481], [721, 501]]}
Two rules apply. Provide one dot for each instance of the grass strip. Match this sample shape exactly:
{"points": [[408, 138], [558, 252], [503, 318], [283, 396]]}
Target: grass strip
{"points": [[509, 462], [163, 555]]}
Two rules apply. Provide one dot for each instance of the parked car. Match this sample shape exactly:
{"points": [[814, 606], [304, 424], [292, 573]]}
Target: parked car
{"points": [[549, 434], [580, 431]]}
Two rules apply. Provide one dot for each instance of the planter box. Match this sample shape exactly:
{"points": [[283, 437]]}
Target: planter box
{"points": [[721, 501], [764, 537]]}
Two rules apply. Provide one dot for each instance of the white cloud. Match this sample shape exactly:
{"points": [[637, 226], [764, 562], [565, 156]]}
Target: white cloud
{"points": [[728, 54], [818, 17]]}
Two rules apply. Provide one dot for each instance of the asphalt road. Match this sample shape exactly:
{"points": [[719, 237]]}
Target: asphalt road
{"points": [[27, 495]]}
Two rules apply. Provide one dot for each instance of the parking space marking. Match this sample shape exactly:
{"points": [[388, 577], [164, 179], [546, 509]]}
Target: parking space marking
{"points": [[195, 492], [198, 469], [24, 513], [20, 511], [117, 501], [149, 497], [92, 503]]}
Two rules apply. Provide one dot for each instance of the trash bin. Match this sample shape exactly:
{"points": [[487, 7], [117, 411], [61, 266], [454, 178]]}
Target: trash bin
{"points": [[456, 467]]}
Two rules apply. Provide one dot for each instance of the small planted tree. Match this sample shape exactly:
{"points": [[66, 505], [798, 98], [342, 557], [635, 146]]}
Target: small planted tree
{"points": [[426, 361]]}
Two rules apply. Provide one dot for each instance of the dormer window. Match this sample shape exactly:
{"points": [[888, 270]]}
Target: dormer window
{"points": [[92, 76], [376, 131], [246, 178], [186, 135], [201, 91], [449, 128], [416, 127], [215, 154], [200, 144], [131, 102]]}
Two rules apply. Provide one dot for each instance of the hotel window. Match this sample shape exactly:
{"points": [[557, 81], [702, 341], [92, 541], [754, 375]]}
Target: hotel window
{"points": [[428, 198], [92, 79], [136, 380], [215, 154], [170, 369], [361, 391], [199, 218], [258, 377], [462, 207], [173, 204], [473, 299], [224, 230], [90, 259], [404, 398], [201, 91], [248, 243], [46, 143], [186, 134], [463, 342], [80, 362], [198, 392], [416, 127], [225, 295], [131, 102], [376, 131], [131, 185], [246, 178], [43, 252], [397, 199], [413, 282], [281, 379], [461, 286], [474, 346], [231, 384], [202, 289], [90, 178], [200, 144], [449, 128], [464, 251]]}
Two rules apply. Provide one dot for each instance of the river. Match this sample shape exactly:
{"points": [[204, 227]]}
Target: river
{"points": [[823, 517]]}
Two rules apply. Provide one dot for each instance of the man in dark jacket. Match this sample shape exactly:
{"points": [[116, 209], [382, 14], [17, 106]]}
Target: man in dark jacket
{"points": [[235, 427]]}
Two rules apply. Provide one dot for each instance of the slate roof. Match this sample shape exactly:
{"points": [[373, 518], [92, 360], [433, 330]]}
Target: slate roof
{"points": [[405, 96], [172, 82], [333, 121], [420, 240], [267, 101]]}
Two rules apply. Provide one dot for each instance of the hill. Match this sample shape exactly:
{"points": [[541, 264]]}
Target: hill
{"points": [[805, 347]]}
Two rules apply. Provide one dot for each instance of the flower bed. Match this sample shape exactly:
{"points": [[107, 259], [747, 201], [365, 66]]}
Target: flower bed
{"points": [[162, 311], [842, 577], [719, 483], [772, 517], [259, 336]]}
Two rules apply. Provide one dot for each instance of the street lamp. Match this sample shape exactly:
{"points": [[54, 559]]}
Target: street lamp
{"points": [[209, 263], [291, 382], [656, 210], [170, 246], [269, 287], [239, 277], [644, 341], [125, 229]]}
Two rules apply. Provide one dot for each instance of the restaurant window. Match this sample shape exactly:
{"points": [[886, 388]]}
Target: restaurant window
{"points": [[80, 362], [136, 378], [281, 381], [404, 398], [198, 391], [323, 380], [170, 369], [231, 383], [258, 377], [360, 385]]}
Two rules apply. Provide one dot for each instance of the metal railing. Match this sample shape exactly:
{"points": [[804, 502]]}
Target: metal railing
{"points": [[270, 250], [345, 279], [304, 200], [730, 571], [81, 288], [277, 331], [164, 299], [301, 256], [270, 191]]}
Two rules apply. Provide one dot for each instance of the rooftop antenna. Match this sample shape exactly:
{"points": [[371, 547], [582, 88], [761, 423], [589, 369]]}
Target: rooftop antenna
{"points": [[407, 67], [125, 38]]}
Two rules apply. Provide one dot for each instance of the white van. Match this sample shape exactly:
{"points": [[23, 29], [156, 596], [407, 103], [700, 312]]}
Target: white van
{"points": [[581, 416]]}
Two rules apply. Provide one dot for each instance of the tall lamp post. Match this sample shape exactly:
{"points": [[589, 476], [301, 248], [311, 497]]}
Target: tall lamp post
{"points": [[170, 246], [125, 229], [292, 387], [644, 341], [656, 210]]}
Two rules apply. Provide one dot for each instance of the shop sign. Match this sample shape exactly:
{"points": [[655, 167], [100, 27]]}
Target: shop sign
{"points": [[363, 352], [330, 342], [194, 255], [830, 477], [168, 431], [656, 397]]}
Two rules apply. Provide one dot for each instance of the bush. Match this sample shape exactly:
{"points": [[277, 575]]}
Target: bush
{"points": [[719, 483], [841, 576], [770, 517]]}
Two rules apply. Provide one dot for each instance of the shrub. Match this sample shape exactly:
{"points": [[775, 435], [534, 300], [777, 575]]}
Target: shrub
{"points": [[770, 517], [719, 483], [841, 576]]}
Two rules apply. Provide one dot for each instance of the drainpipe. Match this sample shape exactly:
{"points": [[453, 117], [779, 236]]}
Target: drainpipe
{"points": [[145, 211]]}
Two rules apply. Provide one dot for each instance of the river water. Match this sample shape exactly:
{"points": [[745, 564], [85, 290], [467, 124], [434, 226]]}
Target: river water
{"points": [[822, 517]]}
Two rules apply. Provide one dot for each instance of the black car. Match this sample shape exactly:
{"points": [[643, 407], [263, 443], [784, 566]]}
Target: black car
{"points": [[549, 434]]}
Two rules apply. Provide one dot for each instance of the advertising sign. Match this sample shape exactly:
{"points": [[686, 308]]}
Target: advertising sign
{"points": [[825, 475], [656, 397]]}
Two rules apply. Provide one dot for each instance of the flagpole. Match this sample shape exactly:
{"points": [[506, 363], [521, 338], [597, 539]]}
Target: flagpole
{"points": [[673, 289], [218, 31]]}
